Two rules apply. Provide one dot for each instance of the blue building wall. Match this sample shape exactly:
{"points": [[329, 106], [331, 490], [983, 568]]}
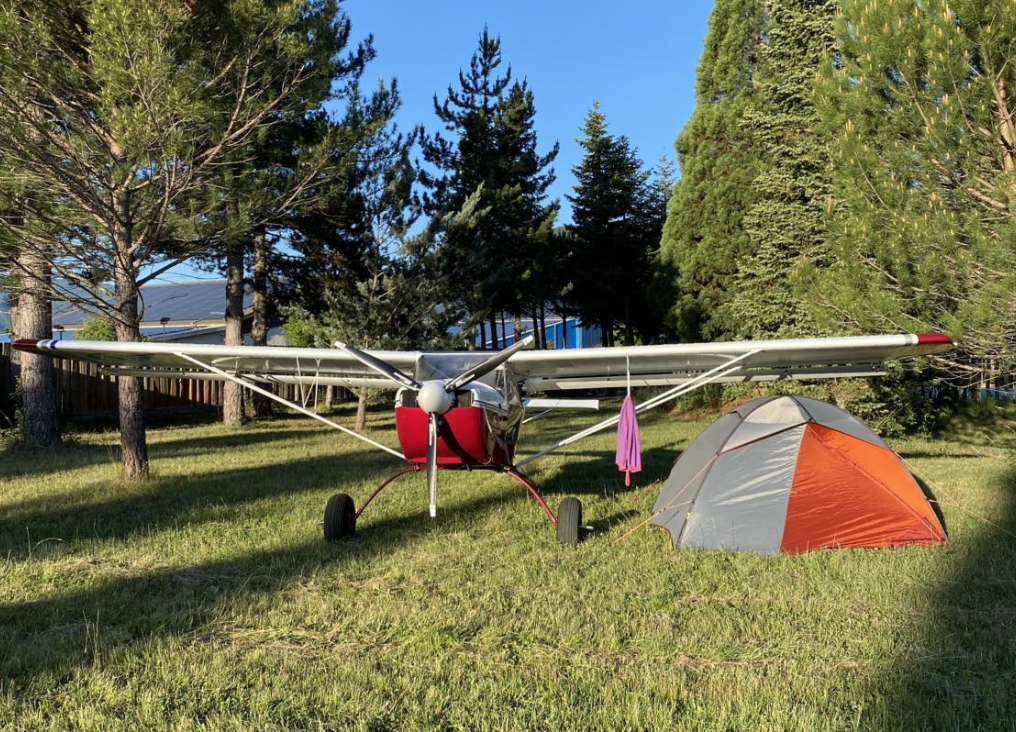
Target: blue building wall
{"points": [[560, 334]]}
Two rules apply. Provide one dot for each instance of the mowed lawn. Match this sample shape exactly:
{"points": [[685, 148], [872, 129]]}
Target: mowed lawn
{"points": [[206, 598]]}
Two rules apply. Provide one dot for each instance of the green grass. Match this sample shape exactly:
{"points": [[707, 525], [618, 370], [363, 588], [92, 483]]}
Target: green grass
{"points": [[206, 599]]}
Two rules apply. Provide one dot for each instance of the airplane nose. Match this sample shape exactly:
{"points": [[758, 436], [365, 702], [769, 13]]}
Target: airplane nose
{"points": [[433, 399]]}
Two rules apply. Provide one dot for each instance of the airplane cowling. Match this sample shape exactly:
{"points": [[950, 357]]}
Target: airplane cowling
{"points": [[464, 438]]}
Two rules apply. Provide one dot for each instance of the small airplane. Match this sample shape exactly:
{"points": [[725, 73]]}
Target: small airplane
{"points": [[463, 410]]}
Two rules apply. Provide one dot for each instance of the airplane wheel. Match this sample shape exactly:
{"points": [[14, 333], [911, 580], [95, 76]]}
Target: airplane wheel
{"points": [[569, 521], [340, 517]]}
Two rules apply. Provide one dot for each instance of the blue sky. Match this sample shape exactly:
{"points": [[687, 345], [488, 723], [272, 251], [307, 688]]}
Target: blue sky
{"points": [[637, 58]]}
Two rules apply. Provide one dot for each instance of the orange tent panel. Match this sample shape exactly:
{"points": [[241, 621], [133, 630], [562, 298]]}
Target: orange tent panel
{"points": [[835, 502]]}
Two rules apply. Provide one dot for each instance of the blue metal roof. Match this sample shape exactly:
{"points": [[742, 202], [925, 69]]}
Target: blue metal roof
{"points": [[155, 334], [181, 302]]}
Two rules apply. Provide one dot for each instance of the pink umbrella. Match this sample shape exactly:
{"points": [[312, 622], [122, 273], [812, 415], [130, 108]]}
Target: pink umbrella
{"points": [[629, 447]]}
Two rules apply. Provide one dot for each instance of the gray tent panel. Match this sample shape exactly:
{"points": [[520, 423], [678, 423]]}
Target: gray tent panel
{"points": [[767, 419], [743, 504], [748, 407], [832, 416], [693, 460]]}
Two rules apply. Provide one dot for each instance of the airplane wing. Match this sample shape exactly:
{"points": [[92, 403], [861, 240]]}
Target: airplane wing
{"points": [[587, 368], [801, 358], [324, 366]]}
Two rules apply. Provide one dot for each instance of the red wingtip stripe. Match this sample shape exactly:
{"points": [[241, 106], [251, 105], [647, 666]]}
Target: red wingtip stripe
{"points": [[934, 339], [27, 344]]}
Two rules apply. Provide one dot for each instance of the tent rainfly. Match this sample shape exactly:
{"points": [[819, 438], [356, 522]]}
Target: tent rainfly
{"points": [[791, 474]]}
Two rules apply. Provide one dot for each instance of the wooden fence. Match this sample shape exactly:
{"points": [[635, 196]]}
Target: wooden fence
{"points": [[83, 391]]}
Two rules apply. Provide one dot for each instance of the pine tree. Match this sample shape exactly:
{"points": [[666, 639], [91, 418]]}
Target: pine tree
{"points": [[704, 235], [278, 175], [492, 148], [373, 285], [520, 219], [115, 112], [918, 106], [614, 236], [660, 280], [785, 223]]}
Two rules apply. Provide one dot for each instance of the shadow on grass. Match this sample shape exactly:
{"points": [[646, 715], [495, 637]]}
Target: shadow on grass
{"points": [[45, 636], [601, 477], [28, 462], [179, 600], [962, 672], [165, 503], [917, 454]]}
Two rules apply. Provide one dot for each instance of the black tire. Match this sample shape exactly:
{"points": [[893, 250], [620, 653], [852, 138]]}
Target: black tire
{"points": [[569, 521], [340, 517]]}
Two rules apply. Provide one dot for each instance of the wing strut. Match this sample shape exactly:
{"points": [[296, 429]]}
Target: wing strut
{"points": [[724, 369], [286, 403]]}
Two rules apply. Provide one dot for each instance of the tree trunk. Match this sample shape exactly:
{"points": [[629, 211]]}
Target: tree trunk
{"points": [[536, 326], [34, 320], [132, 418], [329, 397], [232, 394], [517, 320], [629, 336], [604, 334], [262, 405], [361, 411], [564, 332], [493, 331], [543, 325], [483, 335]]}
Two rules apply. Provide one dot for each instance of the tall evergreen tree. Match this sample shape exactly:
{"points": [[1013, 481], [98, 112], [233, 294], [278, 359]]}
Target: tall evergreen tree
{"points": [[492, 149], [920, 112], [785, 224], [616, 230], [374, 285], [520, 220], [704, 236], [281, 172], [113, 112]]}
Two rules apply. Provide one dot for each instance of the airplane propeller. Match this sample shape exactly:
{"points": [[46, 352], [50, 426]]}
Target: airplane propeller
{"points": [[435, 397], [467, 377], [382, 367]]}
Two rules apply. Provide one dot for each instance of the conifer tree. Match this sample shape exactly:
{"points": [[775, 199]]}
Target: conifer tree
{"points": [[704, 235], [492, 148], [373, 284], [117, 115], [615, 231], [280, 174], [920, 112], [784, 224]]}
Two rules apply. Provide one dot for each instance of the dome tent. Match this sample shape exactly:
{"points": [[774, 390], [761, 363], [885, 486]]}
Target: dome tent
{"points": [[791, 474]]}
